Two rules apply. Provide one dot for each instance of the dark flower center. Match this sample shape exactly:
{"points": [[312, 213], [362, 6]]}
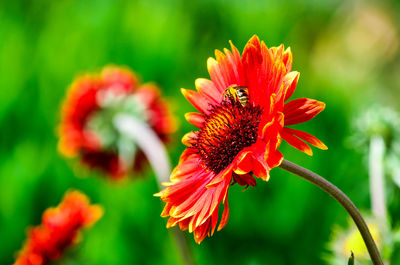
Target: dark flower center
{"points": [[228, 129]]}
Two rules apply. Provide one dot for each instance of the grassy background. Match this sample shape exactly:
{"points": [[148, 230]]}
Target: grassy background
{"points": [[344, 61]]}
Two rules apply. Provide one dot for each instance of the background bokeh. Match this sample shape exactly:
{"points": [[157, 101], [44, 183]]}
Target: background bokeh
{"points": [[348, 56]]}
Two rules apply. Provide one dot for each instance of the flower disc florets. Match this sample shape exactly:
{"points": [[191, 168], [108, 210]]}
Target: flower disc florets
{"points": [[228, 129]]}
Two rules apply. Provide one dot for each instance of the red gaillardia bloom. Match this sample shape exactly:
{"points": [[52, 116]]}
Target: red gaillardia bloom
{"points": [[60, 228], [243, 117], [87, 129]]}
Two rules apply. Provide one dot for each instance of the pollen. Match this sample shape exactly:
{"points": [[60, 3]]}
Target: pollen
{"points": [[228, 128]]}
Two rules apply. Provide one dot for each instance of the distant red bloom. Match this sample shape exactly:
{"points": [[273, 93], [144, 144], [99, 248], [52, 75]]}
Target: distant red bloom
{"points": [[86, 128], [60, 228], [240, 130]]}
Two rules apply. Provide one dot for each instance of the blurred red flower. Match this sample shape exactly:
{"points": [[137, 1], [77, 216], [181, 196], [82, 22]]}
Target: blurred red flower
{"points": [[60, 228], [242, 121], [86, 128]]}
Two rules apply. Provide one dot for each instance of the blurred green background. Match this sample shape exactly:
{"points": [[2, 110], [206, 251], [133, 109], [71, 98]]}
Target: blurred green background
{"points": [[348, 56]]}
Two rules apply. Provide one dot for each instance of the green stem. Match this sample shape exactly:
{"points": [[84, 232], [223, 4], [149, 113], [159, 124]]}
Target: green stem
{"points": [[343, 200]]}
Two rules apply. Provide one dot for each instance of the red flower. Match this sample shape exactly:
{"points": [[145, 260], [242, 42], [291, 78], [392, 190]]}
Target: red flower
{"points": [[87, 130], [240, 130], [60, 228]]}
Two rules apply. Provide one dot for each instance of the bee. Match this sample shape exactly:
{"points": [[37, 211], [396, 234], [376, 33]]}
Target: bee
{"points": [[240, 93]]}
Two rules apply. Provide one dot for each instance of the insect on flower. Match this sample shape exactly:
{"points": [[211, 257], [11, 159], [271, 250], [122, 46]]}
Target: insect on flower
{"points": [[243, 118], [236, 92]]}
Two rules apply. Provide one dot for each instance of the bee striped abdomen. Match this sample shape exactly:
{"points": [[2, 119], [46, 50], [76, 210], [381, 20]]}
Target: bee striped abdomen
{"points": [[239, 93], [243, 95]]}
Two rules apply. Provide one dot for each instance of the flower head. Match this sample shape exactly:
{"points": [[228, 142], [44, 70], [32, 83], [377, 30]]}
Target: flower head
{"points": [[87, 129], [243, 117], [60, 228]]}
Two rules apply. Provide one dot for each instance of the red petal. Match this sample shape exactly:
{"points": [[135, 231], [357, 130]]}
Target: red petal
{"points": [[261, 170], [245, 180], [270, 129], [243, 163], [123, 77], [147, 93], [288, 59], [224, 71], [264, 73], [285, 56], [265, 157], [207, 88], [236, 63], [214, 220], [307, 137], [252, 60], [296, 143], [191, 202], [227, 67], [201, 232], [198, 100], [275, 158], [301, 110], [59, 229], [187, 139], [220, 177], [195, 118], [225, 216], [188, 164], [216, 75], [290, 83]]}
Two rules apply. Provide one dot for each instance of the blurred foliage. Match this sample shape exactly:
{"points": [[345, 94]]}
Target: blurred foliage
{"points": [[348, 56]]}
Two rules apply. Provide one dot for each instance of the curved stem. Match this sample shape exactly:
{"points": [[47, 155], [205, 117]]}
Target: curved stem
{"points": [[343, 200], [153, 148]]}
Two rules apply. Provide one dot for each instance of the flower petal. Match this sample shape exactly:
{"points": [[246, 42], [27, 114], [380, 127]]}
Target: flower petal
{"points": [[264, 158], [198, 100], [207, 87], [264, 73], [290, 83], [192, 202], [60, 228], [271, 129], [306, 137], [216, 75], [302, 110], [252, 60], [245, 180], [124, 78], [296, 143], [288, 59], [187, 139], [195, 118], [228, 69], [236, 64], [147, 93], [244, 163], [224, 218]]}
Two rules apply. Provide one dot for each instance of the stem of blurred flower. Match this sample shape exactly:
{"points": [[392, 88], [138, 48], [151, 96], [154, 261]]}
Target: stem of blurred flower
{"points": [[343, 200], [155, 152], [376, 179]]}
